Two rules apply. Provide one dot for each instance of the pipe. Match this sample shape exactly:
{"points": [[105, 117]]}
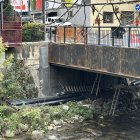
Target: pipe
{"points": [[135, 83], [50, 100]]}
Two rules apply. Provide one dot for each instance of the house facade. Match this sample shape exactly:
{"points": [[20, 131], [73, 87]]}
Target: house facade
{"points": [[84, 16], [126, 13]]}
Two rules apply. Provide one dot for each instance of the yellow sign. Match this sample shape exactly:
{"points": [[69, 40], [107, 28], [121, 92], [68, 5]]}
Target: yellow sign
{"points": [[69, 1]]}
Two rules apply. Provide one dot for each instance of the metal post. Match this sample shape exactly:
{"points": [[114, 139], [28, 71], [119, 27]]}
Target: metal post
{"points": [[43, 11], [74, 34], [86, 35], [2, 15], [129, 37], [44, 16], [55, 35], [50, 34], [29, 7], [112, 40], [64, 34], [99, 35]]}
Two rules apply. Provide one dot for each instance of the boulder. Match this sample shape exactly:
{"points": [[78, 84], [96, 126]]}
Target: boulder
{"points": [[37, 134], [9, 133], [53, 137]]}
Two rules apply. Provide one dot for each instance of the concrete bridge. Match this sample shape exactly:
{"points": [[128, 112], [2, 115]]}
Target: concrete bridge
{"points": [[117, 61], [55, 66]]}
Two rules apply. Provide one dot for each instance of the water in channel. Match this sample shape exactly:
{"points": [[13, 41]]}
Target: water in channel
{"points": [[123, 127]]}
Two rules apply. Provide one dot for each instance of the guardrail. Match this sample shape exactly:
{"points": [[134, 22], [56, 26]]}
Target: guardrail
{"points": [[127, 36], [11, 33]]}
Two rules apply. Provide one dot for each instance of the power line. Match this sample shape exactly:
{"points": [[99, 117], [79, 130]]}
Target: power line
{"points": [[109, 3]]}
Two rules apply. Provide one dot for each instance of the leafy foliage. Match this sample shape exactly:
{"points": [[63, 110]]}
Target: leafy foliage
{"points": [[15, 79], [17, 83], [41, 117], [33, 32], [3, 62], [8, 10]]}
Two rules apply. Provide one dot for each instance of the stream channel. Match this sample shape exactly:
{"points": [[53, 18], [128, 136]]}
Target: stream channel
{"points": [[123, 127]]}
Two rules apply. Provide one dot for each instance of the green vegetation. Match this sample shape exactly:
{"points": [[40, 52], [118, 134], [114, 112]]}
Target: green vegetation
{"points": [[15, 79], [39, 118], [16, 82], [33, 32], [8, 11]]}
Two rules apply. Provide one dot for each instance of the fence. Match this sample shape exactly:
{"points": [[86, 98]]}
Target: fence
{"points": [[110, 36], [12, 33], [10, 28]]}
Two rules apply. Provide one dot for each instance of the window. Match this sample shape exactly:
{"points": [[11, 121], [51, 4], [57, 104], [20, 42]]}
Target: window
{"points": [[127, 17], [107, 17], [37, 15]]}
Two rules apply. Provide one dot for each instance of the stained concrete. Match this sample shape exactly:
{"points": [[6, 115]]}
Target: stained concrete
{"points": [[123, 62], [50, 79]]}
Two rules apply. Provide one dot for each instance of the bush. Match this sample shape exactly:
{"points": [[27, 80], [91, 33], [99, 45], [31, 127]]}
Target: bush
{"points": [[17, 83], [33, 32]]}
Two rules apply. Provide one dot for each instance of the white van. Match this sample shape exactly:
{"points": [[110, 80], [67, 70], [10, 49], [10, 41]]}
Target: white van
{"points": [[57, 21]]}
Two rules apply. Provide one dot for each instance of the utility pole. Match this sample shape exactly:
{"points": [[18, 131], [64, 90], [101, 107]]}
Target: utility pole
{"points": [[28, 7], [44, 16], [44, 11]]}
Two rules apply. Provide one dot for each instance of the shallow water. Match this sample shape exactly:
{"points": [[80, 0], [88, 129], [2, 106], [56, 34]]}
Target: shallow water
{"points": [[123, 127]]}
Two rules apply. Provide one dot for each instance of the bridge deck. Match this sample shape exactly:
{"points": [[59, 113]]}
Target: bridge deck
{"points": [[118, 61]]}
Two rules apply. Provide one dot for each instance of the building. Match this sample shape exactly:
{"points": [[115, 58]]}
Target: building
{"points": [[126, 13], [84, 16]]}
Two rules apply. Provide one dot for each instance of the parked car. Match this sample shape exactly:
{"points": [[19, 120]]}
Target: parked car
{"points": [[57, 21]]}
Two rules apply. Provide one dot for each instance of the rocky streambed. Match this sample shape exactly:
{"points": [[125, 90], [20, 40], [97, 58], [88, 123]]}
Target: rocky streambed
{"points": [[76, 121], [123, 127]]}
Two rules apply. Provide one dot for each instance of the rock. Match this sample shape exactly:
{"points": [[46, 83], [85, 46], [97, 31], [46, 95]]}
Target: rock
{"points": [[102, 125], [18, 132], [50, 127], [63, 122], [76, 117], [56, 122], [94, 132], [65, 107], [23, 127], [101, 117], [53, 138], [9, 133], [37, 134], [2, 138], [97, 134], [47, 115]]}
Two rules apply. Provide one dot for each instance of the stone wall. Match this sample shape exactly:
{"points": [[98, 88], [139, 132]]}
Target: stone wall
{"points": [[30, 53]]}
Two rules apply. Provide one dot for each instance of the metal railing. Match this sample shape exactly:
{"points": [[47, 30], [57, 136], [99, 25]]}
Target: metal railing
{"points": [[11, 33], [125, 36]]}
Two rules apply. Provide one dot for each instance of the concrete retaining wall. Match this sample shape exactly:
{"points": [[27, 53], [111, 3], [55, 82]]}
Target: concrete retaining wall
{"points": [[30, 53]]}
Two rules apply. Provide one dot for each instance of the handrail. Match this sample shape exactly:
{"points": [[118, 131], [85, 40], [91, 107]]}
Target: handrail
{"points": [[128, 36]]}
